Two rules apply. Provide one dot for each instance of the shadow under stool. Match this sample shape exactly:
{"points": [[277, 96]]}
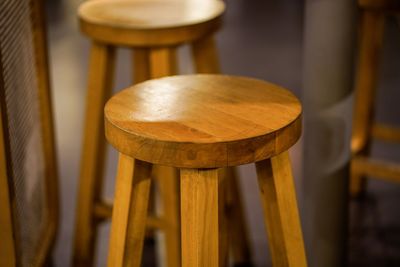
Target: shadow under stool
{"points": [[203, 124], [153, 30], [365, 128]]}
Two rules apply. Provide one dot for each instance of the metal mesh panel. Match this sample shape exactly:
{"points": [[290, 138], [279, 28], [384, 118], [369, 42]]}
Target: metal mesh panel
{"points": [[22, 112]]}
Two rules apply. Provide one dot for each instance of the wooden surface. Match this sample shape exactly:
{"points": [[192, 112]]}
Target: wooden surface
{"points": [[149, 23], [205, 55], [370, 46], [280, 211], [130, 212], [371, 39], [379, 169], [203, 121], [101, 69], [386, 133], [199, 205]]}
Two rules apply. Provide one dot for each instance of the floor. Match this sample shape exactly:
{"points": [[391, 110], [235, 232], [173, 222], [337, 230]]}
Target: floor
{"points": [[261, 39]]}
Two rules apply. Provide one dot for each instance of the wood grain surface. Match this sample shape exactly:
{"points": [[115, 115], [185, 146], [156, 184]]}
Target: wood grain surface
{"points": [[151, 22], [202, 121]]}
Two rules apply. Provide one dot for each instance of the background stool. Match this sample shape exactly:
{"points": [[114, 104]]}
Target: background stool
{"points": [[365, 129], [204, 122], [148, 28]]}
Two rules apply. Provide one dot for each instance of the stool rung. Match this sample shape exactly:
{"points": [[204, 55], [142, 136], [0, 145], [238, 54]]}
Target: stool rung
{"points": [[376, 168], [386, 133], [103, 211]]}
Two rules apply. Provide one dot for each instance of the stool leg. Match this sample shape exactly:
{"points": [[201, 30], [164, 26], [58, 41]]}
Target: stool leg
{"points": [[141, 65], [206, 60], [372, 29], [101, 69], [205, 55], [163, 63], [199, 205], [224, 212], [129, 213], [280, 211]]}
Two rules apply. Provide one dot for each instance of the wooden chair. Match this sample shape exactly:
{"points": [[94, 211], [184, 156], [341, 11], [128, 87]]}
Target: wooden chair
{"points": [[149, 29], [200, 124], [365, 129], [28, 173]]}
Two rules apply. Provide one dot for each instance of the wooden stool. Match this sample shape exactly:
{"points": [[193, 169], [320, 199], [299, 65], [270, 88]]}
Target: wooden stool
{"points": [[364, 127], [200, 123], [153, 29]]}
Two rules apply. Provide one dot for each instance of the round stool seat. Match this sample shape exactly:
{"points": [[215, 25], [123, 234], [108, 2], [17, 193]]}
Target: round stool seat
{"points": [[149, 22], [203, 121]]}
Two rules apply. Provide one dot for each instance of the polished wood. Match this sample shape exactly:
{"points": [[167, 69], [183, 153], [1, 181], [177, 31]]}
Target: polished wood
{"points": [[130, 211], [378, 169], [223, 217], [280, 211], [141, 65], [153, 35], [205, 55], [149, 23], [93, 151], [371, 39], [386, 133], [163, 63], [207, 120], [103, 211], [199, 205], [203, 112], [364, 127]]}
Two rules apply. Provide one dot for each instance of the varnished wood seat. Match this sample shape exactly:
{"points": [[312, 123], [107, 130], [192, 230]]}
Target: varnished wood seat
{"points": [[200, 123], [149, 22], [203, 121]]}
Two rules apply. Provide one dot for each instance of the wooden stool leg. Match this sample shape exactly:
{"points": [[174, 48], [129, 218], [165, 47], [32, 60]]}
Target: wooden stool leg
{"points": [[206, 61], [280, 211], [224, 212], [205, 55], [163, 63], [101, 69], [240, 244], [372, 29], [199, 205], [141, 65], [130, 212]]}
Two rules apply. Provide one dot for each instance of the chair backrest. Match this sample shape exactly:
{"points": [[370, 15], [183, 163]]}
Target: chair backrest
{"points": [[28, 175]]}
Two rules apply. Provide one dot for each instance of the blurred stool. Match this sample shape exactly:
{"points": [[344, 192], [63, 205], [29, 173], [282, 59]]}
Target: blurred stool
{"points": [[154, 30], [365, 129], [203, 123]]}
